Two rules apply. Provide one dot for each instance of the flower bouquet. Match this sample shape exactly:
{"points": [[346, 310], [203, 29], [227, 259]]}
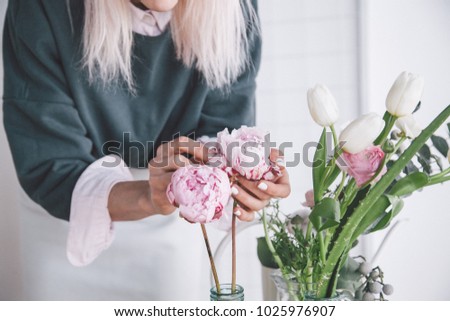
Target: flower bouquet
{"points": [[357, 189], [202, 191]]}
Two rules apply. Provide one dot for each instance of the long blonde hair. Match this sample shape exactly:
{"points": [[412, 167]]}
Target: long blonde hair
{"points": [[211, 35]]}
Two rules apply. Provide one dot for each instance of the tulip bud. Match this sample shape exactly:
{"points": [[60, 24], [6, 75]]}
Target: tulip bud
{"points": [[409, 126], [405, 94], [361, 133], [322, 106]]}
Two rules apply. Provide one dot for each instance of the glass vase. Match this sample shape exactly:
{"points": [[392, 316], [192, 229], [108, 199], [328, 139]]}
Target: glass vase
{"points": [[226, 294], [289, 290]]}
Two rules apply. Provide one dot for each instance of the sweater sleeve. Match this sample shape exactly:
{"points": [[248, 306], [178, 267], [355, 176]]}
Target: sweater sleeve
{"points": [[234, 107], [48, 140]]}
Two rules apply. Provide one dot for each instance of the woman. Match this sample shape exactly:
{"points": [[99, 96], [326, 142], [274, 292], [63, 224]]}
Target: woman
{"points": [[91, 85]]}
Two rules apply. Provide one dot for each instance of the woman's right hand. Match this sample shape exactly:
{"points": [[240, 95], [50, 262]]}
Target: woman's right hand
{"points": [[169, 157], [136, 200]]}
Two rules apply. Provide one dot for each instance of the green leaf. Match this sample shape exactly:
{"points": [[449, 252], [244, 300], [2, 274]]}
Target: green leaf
{"points": [[448, 127], [426, 164], [326, 214], [264, 254], [410, 168], [425, 152], [440, 144], [385, 219], [409, 184], [319, 164], [332, 177]]}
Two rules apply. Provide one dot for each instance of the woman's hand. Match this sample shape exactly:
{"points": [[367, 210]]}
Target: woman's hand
{"points": [[139, 199], [169, 157], [253, 196]]}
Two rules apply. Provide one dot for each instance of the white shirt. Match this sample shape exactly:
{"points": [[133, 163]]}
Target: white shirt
{"points": [[91, 230]]}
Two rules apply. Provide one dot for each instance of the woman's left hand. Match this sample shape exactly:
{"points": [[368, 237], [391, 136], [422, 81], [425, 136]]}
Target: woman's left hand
{"points": [[252, 196]]}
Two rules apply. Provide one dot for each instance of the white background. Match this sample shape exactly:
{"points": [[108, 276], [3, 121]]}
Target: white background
{"points": [[357, 48]]}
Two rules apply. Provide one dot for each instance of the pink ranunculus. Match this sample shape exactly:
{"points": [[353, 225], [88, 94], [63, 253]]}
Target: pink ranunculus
{"points": [[246, 153], [201, 192], [363, 165], [309, 199]]}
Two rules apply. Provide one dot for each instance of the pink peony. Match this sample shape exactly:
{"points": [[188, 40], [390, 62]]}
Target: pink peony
{"points": [[309, 199], [245, 153], [201, 192], [363, 165]]}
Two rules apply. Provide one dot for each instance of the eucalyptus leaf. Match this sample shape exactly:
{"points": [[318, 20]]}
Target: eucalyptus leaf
{"points": [[425, 152], [410, 168], [349, 276], [319, 165], [426, 164], [264, 254], [409, 184], [326, 214], [440, 144]]}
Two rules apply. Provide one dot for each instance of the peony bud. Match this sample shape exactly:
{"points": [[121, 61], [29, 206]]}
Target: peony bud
{"points": [[322, 106], [361, 133], [409, 126], [201, 192], [244, 152], [405, 94]]}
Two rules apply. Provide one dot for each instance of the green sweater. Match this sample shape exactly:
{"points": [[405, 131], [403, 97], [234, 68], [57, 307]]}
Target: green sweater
{"points": [[57, 124]]}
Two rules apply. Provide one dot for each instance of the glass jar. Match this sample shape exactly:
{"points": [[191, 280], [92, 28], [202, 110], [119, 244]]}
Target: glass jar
{"points": [[289, 290], [226, 294]]}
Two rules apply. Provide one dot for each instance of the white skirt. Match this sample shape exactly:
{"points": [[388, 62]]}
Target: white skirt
{"points": [[158, 258]]}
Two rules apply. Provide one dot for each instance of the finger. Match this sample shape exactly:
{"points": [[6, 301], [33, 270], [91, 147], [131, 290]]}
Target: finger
{"points": [[168, 163], [184, 145], [252, 188], [277, 157], [280, 189], [246, 200], [243, 215]]}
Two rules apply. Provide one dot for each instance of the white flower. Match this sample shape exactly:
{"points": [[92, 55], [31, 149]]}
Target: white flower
{"points": [[322, 106], [361, 133], [405, 94], [409, 126]]}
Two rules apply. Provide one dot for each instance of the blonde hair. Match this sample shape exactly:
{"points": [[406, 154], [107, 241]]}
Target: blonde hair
{"points": [[211, 35]]}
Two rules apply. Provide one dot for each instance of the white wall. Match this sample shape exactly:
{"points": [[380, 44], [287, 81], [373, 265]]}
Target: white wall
{"points": [[305, 42], [9, 221], [413, 35]]}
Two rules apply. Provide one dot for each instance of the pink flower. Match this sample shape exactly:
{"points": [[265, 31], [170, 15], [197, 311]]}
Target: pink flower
{"points": [[363, 165], [309, 197], [201, 192], [246, 154]]}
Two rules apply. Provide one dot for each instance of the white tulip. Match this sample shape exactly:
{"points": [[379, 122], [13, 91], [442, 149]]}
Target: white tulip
{"points": [[322, 106], [361, 133], [409, 126], [405, 94]]}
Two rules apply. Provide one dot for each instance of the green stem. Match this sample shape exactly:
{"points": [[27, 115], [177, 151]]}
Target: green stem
{"points": [[438, 180], [341, 187], [389, 123], [346, 234], [323, 254]]}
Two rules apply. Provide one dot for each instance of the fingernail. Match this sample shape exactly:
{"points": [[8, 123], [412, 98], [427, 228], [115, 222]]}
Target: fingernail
{"points": [[280, 162], [237, 213], [234, 191], [263, 186]]}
